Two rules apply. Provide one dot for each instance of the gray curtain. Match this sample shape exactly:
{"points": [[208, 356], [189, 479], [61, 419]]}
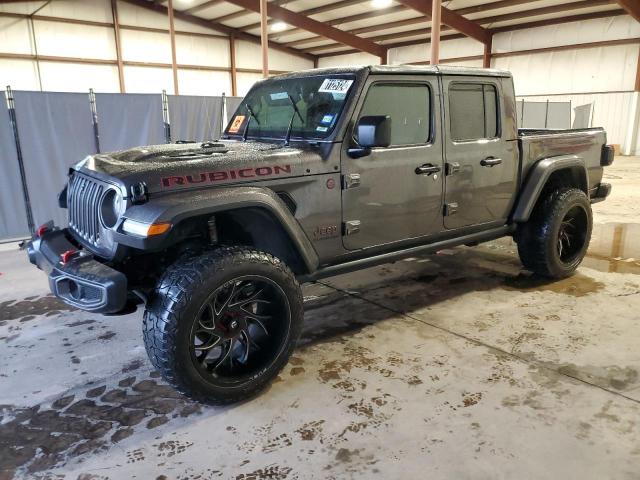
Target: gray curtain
{"points": [[232, 105], [195, 118], [559, 115], [533, 114], [55, 133], [582, 116], [129, 120], [13, 215]]}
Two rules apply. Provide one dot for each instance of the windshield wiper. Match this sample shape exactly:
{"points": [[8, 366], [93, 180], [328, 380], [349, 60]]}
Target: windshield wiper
{"points": [[295, 111], [246, 128]]}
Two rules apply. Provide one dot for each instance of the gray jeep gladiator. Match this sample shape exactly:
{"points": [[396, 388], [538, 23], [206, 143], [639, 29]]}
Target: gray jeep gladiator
{"points": [[317, 173]]}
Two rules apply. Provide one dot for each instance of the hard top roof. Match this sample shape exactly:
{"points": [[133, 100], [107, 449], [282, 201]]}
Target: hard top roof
{"points": [[404, 70]]}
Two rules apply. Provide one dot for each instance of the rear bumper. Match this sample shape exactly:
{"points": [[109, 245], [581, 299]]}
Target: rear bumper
{"points": [[81, 282], [602, 191]]}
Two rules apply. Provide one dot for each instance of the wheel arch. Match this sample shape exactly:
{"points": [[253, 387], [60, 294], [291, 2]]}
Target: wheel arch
{"points": [[259, 211], [552, 172]]}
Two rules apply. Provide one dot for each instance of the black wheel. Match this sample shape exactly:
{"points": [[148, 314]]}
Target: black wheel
{"points": [[220, 326], [555, 239]]}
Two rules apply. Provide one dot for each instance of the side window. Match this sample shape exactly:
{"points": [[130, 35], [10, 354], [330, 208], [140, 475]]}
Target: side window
{"points": [[409, 107], [473, 109]]}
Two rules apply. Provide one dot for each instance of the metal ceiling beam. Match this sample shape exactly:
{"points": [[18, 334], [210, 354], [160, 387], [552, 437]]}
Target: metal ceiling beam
{"points": [[319, 28], [451, 19], [187, 17], [482, 21], [632, 7], [309, 12]]}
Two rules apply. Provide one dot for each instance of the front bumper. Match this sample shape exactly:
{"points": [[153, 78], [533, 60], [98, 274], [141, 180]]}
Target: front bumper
{"points": [[81, 282]]}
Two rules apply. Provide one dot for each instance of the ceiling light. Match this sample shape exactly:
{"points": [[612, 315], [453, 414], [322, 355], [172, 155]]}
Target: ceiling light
{"points": [[381, 3], [278, 26]]}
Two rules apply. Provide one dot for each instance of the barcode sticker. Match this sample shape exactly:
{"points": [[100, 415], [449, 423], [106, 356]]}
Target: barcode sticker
{"points": [[237, 123], [335, 85]]}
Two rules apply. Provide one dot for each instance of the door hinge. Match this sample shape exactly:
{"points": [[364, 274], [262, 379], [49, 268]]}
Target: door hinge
{"points": [[451, 168], [351, 227], [450, 209], [350, 180]]}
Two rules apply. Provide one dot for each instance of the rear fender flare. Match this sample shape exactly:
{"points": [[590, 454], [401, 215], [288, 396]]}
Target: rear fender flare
{"points": [[175, 208], [539, 176]]}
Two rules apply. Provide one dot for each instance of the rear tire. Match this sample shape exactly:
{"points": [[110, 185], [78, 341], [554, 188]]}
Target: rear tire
{"points": [[555, 239], [219, 327]]}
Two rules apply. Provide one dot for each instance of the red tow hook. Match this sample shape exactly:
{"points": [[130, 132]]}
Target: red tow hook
{"points": [[42, 229], [68, 255]]}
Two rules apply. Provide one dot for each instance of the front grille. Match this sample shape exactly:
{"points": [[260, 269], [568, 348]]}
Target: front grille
{"points": [[83, 201]]}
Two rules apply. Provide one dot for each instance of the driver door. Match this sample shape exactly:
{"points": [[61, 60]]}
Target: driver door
{"points": [[395, 193]]}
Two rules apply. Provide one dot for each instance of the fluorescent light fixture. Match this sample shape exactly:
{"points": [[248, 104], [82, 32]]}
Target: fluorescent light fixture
{"points": [[278, 26], [381, 3]]}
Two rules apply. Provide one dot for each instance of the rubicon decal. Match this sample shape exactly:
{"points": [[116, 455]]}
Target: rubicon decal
{"points": [[224, 175]]}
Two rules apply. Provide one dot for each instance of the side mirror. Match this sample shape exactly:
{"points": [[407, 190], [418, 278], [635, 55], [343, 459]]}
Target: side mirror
{"points": [[372, 131]]}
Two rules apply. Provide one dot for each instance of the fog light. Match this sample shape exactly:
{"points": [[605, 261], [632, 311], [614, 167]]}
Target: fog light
{"points": [[144, 229]]}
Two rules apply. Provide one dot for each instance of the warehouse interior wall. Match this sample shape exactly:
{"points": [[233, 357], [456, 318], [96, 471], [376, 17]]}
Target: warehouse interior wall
{"points": [[603, 76], [203, 53]]}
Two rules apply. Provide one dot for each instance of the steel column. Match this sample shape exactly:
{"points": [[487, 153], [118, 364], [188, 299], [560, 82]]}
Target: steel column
{"points": [[172, 33], [436, 15], [116, 33], [264, 38]]}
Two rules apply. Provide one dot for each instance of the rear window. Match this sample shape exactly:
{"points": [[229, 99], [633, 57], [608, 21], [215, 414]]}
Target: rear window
{"points": [[473, 111]]}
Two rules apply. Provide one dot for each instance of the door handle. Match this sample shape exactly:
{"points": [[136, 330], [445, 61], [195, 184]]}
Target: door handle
{"points": [[427, 169], [490, 162]]}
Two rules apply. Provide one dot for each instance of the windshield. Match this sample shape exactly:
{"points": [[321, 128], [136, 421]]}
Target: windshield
{"points": [[268, 108]]}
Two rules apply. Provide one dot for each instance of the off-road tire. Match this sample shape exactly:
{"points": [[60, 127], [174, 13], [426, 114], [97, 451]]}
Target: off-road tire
{"points": [[538, 238], [174, 305]]}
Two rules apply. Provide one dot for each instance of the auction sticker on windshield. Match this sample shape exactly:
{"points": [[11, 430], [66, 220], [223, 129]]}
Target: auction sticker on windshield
{"points": [[335, 85], [237, 123]]}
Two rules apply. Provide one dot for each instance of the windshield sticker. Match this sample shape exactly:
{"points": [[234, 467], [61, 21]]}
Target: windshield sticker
{"points": [[321, 129], [335, 85], [327, 119], [237, 123], [279, 96]]}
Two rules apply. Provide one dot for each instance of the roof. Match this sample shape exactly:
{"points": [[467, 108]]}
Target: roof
{"points": [[400, 70]]}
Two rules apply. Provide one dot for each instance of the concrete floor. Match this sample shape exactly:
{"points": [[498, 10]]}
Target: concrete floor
{"points": [[456, 365]]}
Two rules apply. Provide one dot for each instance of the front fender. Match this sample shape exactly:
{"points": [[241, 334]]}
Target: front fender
{"points": [[176, 207], [539, 176]]}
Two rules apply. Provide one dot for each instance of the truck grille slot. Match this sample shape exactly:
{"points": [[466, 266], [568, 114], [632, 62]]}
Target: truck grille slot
{"points": [[83, 201]]}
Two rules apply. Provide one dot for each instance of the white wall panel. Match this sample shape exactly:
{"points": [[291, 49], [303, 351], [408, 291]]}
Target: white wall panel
{"points": [[15, 35], [62, 40], [586, 31], [201, 82], [141, 17], [249, 55], [20, 74], [245, 81], [149, 47], [73, 77], [601, 69], [458, 47], [148, 79], [349, 60], [194, 50]]}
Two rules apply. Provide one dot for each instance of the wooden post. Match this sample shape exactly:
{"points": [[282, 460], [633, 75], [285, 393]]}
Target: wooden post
{"points": [[486, 57], [436, 13], [264, 38], [172, 34], [116, 33], [232, 56]]}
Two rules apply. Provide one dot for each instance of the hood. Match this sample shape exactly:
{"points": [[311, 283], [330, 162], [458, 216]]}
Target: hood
{"points": [[197, 165]]}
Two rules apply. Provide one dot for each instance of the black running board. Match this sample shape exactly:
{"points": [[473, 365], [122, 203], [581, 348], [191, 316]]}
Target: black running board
{"points": [[473, 238]]}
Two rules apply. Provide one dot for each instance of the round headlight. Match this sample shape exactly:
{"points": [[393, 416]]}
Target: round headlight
{"points": [[110, 208]]}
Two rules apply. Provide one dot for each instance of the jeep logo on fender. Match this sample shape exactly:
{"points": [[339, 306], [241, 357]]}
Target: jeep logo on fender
{"points": [[222, 175]]}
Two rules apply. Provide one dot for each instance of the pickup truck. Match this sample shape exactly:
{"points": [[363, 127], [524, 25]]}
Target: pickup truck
{"points": [[318, 173]]}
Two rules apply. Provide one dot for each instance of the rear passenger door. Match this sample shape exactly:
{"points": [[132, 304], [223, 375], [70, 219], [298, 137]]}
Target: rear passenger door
{"points": [[388, 196], [481, 162]]}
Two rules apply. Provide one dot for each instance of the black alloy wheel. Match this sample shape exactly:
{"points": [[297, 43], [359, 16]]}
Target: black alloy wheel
{"points": [[240, 329], [572, 234]]}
